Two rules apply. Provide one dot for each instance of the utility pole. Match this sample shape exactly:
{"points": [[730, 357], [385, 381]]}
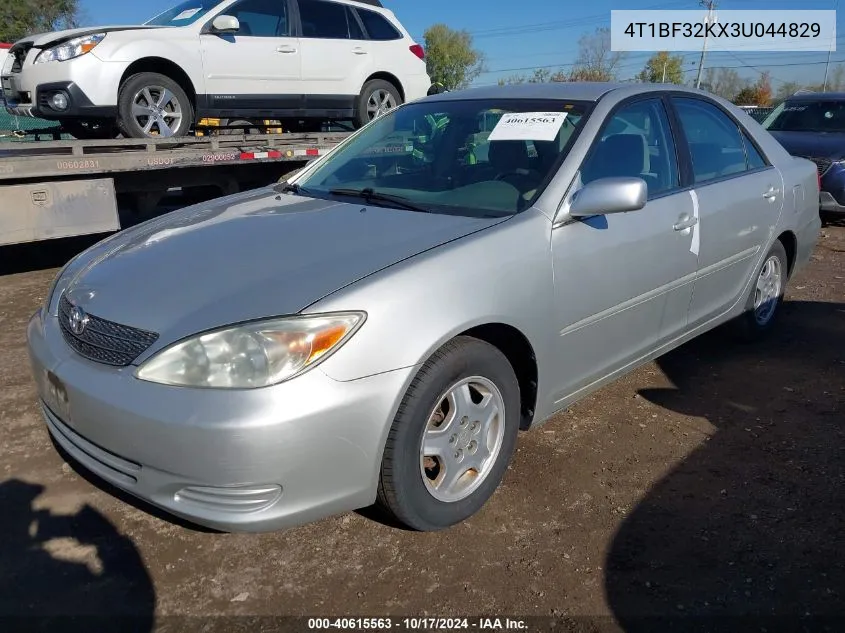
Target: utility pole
{"points": [[710, 4], [829, 51], [666, 61]]}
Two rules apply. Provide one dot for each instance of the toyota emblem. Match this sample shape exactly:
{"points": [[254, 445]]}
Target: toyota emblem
{"points": [[77, 320]]}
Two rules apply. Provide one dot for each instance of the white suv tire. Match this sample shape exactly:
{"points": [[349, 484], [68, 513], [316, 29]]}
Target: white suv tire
{"points": [[379, 94], [169, 107]]}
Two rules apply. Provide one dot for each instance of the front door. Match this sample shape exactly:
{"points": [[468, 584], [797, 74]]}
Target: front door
{"points": [[623, 282], [740, 198], [257, 69]]}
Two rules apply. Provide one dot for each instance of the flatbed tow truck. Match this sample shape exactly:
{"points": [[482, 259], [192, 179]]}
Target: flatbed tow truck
{"points": [[63, 188]]}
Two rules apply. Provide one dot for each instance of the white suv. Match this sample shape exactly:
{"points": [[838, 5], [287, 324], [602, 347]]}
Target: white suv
{"points": [[287, 60]]}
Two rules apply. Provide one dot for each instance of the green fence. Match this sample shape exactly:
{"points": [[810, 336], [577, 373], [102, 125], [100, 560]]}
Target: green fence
{"points": [[10, 124]]}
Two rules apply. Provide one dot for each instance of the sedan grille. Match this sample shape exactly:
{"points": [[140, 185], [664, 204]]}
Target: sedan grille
{"points": [[105, 341], [822, 164]]}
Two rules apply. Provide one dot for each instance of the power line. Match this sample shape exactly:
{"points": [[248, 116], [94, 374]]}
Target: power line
{"points": [[778, 65]]}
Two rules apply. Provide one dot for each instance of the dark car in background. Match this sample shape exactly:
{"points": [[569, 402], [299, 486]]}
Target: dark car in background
{"points": [[812, 125]]}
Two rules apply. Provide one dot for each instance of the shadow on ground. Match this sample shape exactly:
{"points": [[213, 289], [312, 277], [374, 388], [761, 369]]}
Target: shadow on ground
{"points": [[68, 572], [748, 531]]}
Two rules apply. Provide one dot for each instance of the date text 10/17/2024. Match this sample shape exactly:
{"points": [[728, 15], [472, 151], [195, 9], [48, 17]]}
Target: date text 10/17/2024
{"points": [[418, 624]]}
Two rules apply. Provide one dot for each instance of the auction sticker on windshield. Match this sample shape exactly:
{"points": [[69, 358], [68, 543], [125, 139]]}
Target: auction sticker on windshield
{"points": [[186, 14], [528, 126]]}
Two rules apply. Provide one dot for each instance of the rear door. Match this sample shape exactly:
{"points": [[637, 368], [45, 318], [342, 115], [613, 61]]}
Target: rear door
{"points": [[739, 196], [258, 68], [336, 57]]}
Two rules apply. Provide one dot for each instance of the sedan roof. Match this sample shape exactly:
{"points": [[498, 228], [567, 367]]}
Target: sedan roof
{"points": [[568, 90]]}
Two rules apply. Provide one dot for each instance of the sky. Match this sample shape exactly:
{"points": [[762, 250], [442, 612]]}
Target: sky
{"points": [[518, 36]]}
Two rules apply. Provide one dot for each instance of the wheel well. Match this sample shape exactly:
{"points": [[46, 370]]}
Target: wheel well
{"points": [[163, 67], [790, 245], [391, 79], [516, 348]]}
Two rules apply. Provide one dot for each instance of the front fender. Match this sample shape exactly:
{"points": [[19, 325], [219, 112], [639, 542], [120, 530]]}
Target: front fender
{"points": [[503, 274]]}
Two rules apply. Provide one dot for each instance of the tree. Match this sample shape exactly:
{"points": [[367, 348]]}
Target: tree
{"points": [[787, 89], [19, 18], [541, 76], [724, 82], [663, 68], [758, 94], [596, 61], [450, 57]]}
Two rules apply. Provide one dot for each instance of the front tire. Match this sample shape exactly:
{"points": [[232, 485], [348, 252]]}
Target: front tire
{"points": [[763, 304], [452, 438], [151, 105], [377, 97]]}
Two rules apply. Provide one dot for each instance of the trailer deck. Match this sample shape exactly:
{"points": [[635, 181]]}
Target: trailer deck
{"points": [[55, 189]]}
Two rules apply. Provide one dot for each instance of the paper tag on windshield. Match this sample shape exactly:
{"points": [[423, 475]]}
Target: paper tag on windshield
{"points": [[528, 126], [187, 13]]}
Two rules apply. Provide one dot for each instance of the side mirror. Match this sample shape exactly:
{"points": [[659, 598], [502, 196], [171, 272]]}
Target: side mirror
{"points": [[609, 195], [225, 24]]}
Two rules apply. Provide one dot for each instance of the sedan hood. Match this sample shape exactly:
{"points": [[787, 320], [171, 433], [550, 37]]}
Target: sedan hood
{"points": [[244, 257], [813, 144], [43, 40]]}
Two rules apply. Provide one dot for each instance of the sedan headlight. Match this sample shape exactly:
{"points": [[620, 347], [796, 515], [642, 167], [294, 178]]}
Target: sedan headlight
{"points": [[252, 355], [70, 49]]}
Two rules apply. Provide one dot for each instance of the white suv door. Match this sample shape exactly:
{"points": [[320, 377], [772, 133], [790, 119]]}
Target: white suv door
{"points": [[260, 66], [336, 59]]}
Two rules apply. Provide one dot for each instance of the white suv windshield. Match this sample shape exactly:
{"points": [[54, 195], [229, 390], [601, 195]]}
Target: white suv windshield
{"points": [[184, 13], [468, 157]]}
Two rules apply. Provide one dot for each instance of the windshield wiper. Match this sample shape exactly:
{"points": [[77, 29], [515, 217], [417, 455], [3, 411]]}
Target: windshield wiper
{"points": [[290, 188], [368, 194]]}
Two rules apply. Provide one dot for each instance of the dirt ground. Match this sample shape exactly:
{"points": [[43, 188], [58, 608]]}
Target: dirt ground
{"points": [[708, 483]]}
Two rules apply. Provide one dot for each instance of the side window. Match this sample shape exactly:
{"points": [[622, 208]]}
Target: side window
{"points": [[715, 142], [355, 31], [636, 142], [754, 160], [261, 18], [378, 28], [324, 20]]}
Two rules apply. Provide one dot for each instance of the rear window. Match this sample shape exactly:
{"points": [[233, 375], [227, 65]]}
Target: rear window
{"points": [[378, 27], [807, 116]]}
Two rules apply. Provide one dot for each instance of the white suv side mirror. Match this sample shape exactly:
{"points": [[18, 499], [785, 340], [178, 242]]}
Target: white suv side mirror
{"points": [[225, 24]]}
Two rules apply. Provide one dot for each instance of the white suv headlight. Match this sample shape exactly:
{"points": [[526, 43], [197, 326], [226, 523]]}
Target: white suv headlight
{"points": [[70, 49], [251, 355]]}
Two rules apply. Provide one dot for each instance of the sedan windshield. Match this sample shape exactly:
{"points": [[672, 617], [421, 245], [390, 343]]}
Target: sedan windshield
{"points": [[808, 116], [477, 157], [184, 13]]}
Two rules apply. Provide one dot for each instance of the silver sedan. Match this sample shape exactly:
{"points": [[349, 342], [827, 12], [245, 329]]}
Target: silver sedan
{"points": [[378, 329]]}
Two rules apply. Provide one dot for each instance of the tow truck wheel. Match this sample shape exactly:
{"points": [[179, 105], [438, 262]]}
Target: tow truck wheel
{"points": [[151, 105]]}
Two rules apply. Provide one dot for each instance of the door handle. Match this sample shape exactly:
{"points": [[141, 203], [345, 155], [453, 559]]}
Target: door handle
{"points": [[359, 51], [771, 194], [685, 222], [285, 49]]}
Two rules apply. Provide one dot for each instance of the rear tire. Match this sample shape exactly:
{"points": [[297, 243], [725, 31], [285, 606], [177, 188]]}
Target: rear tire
{"points": [[441, 415], [151, 105], [377, 97], [762, 307]]}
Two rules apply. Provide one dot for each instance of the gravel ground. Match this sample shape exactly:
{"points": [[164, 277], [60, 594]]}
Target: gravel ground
{"points": [[708, 483]]}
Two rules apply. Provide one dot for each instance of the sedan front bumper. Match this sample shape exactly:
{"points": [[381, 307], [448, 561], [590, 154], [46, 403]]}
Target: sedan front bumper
{"points": [[240, 460]]}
